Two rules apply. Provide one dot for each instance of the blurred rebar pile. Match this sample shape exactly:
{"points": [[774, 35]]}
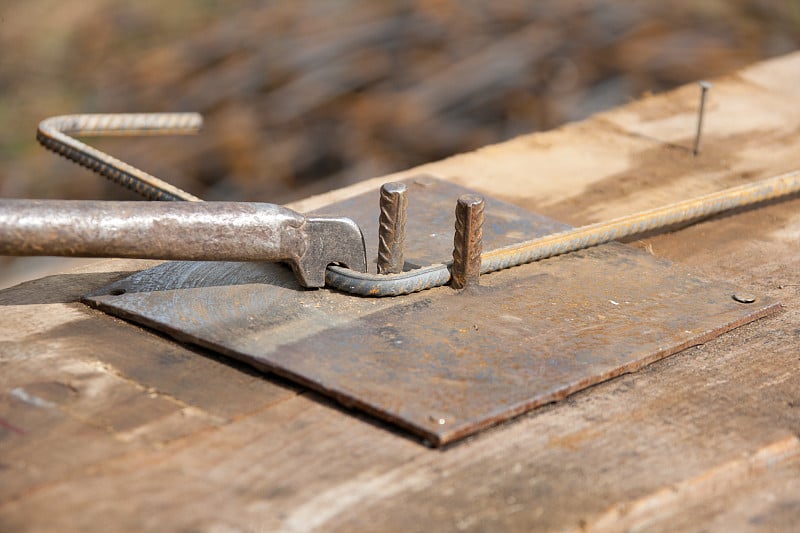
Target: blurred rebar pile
{"points": [[300, 97]]}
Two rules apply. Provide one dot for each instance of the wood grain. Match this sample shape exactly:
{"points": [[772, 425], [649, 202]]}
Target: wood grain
{"points": [[104, 426]]}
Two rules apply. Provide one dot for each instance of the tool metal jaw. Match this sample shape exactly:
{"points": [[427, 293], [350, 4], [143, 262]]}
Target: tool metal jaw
{"points": [[194, 231], [446, 363], [330, 240], [443, 365]]}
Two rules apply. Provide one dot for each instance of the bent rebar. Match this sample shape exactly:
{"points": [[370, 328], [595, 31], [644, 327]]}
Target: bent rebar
{"points": [[52, 135]]}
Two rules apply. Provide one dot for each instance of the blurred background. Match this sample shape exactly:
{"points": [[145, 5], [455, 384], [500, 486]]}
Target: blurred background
{"points": [[304, 96]]}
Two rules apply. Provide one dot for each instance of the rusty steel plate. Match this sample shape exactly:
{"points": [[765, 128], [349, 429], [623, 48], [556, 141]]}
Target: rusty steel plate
{"points": [[440, 363]]}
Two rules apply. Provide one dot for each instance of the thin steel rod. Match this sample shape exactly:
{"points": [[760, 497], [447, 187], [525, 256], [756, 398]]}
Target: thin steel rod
{"points": [[54, 134], [571, 240], [365, 284]]}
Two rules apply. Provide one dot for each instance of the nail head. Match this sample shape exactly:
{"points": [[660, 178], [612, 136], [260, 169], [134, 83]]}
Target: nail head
{"points": [[744, 298]]}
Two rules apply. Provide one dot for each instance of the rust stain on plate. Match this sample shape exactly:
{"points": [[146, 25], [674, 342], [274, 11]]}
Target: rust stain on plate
{"points": [[442, 364]]}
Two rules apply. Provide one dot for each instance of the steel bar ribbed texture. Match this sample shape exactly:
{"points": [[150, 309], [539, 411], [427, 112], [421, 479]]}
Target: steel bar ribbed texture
{"points": [[365, 284], [361, 284], [392, 228], [661, 217], [54, 134], [467, 241], [571, 240]]}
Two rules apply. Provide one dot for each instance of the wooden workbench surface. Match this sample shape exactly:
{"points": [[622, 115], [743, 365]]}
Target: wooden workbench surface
{"points": [[106, 426]]}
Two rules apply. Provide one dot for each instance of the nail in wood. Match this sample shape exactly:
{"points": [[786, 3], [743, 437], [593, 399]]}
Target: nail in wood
{"points": [[704, 87]]}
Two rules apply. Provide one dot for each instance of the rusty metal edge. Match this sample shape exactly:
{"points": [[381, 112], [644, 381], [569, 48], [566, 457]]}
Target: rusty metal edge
{"points": [[440, 438], [524, 407]]}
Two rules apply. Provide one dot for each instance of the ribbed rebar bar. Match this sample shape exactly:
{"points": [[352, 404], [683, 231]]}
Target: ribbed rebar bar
{"points": [[392, 227], [467, 241], [53, 133], [661, 217], [365, 284], [571, 240]]}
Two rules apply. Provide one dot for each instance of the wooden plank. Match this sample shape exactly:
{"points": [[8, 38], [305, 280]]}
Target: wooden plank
{"points": [[267, 458], [309, 463], [736, 495]]}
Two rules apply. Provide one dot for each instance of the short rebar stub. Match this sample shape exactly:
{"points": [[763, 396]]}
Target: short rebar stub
{"points": [[467, 241], [392, 227], [440, 363]]}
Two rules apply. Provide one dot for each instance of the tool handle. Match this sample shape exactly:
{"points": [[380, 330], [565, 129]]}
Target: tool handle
{"points": [[211, 231]]}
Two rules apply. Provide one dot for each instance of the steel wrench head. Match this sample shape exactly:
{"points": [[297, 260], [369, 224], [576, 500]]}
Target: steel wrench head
{"points": [[329, 240]]}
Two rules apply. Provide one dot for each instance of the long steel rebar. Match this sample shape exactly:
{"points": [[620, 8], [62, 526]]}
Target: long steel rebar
{"points": [[364, 284], [571, 240]]}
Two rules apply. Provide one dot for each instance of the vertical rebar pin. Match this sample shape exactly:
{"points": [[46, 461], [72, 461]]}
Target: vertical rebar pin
{"points": [[467, 242], [392, 228], [704, 87]]}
